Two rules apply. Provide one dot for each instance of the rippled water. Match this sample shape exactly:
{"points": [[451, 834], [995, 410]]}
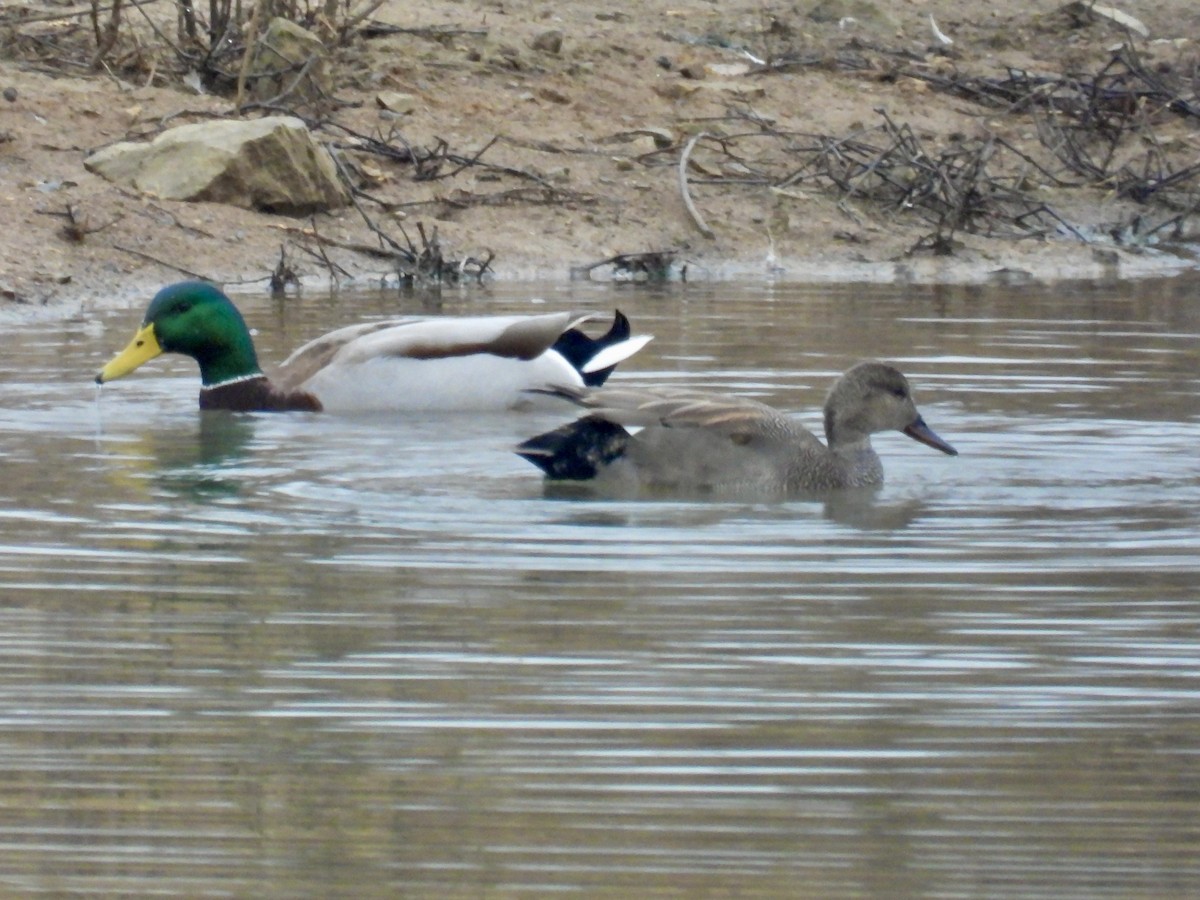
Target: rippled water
{"points": [[303, 656]]}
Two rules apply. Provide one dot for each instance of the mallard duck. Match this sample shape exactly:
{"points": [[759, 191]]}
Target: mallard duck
{"points": [[436, 364], [682, 440]]}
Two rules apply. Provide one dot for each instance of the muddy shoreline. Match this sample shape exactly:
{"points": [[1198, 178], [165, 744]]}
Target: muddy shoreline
{"points": [[603, 118]]}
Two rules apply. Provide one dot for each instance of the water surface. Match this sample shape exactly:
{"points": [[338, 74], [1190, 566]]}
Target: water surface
{"points": [[307, 656]]}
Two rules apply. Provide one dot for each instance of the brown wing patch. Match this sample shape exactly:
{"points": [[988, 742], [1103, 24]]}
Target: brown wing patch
{"points": [[526, 339], [440, 351], [522, 340]]}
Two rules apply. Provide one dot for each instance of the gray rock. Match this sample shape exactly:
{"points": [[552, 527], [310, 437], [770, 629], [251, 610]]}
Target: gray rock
{"points": [[396, 102], [548, 42], [270, 164], [860, 12], [281, 55]]}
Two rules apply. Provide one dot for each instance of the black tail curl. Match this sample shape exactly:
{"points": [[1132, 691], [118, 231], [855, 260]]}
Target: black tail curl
{"points": [[577, 348], [576, 451]]}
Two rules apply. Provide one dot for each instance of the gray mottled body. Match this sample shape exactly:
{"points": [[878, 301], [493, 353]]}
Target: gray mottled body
{"points": [[633, 439]]}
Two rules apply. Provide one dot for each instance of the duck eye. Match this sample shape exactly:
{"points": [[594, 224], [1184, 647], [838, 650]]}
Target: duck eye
{"points": [[899, 392]]}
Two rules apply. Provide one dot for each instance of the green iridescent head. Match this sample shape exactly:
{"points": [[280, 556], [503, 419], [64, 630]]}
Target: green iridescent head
{"points": [[196, 319]]}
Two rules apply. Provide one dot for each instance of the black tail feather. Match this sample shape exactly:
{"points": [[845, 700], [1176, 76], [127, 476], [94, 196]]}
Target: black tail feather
{"points": [[576, 451], [577, 348]]}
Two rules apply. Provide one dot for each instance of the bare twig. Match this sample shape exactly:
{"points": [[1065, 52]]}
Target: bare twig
{"points": [[330, 266], [162, 262], [251, 40], [353, 246], [179, 52], [106, 37], [333, 268], [683, 186], [78, 226], [653, 265], [68, 13], [435, 32], [284, 274], [354, 18], [292, 85]]}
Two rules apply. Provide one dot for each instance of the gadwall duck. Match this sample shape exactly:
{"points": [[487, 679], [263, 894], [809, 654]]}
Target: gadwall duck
{"points": [[431, 364], [683, 440]]}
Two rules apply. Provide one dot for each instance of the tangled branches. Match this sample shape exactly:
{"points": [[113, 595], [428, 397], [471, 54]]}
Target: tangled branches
{"points": [[215, 47], [953, 189], [1099, 130]]}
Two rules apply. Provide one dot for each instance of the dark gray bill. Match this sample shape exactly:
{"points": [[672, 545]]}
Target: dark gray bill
{"points": [[919, 431]]}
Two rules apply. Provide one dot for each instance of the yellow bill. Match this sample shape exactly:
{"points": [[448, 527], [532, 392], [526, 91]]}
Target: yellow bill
{"points": [[143, 348]]}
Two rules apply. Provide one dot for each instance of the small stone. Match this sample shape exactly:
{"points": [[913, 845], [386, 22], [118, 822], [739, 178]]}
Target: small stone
{"points": [[644, 144], [740, 89], [727, 70], [10, 94], [396, 102], [548, 42], [676, 90], [549, 93], [662, 137], [834, 12], [371, 172]]}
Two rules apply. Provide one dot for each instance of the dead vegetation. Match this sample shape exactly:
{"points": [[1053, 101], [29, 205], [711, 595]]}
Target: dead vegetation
{"points": [[208, 45], [214, 50], [654, 266], [1106, 129], [1095, 130]]}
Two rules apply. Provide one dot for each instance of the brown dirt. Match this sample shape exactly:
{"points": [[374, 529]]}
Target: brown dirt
{"points": [[573, 118]]}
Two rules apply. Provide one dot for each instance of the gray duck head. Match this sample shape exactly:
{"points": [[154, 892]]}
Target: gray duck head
{"points": [[873, 397]]}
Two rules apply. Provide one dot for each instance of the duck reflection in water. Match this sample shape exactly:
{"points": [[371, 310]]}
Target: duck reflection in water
{"points": [[199, 462]]}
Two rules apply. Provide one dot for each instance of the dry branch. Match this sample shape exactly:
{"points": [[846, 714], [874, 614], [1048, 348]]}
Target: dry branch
{"points": [[435, 32], [683, 186], [1095, 131], [92, 10], [652, 265], [162, 262]]}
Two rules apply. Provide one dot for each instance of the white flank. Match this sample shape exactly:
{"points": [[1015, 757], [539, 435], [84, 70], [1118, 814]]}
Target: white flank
{"points": [[479, 382]]}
